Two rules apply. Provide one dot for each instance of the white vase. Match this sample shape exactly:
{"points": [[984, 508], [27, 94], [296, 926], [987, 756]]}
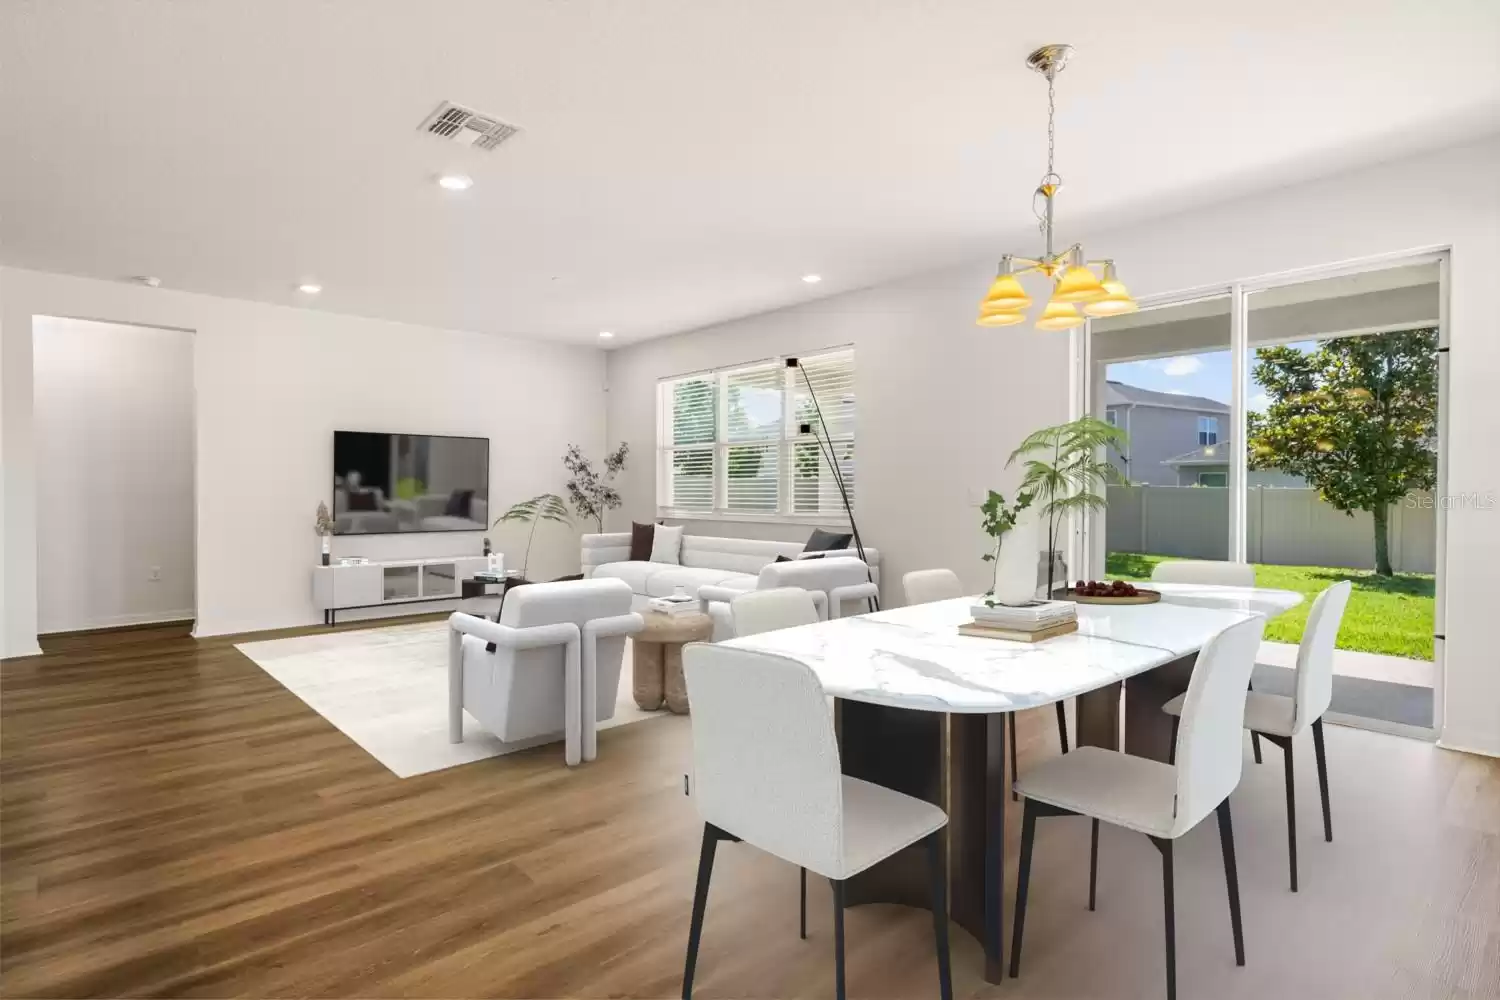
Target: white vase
{"points": [[1015, 567]]}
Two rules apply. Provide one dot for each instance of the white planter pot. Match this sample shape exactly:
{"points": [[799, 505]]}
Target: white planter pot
{"points": [[1015, 568]]}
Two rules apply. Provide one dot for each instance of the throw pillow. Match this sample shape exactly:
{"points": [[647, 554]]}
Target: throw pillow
{"points": [[459, 503], [827, 541], [666, 544], [362, 500], [803, 557], [640, 541]]}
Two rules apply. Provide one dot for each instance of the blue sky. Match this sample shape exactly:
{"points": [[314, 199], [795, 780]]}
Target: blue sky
{"points": [[1207, 374]]}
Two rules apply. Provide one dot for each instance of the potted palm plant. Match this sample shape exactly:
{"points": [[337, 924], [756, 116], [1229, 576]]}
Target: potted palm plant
{"points": [[1064, 466], [542, 507]]}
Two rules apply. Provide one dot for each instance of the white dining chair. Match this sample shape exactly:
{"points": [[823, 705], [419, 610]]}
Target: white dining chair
{"points": [[924, 586], [768, 774], [757, 611], [1163, 801], [1215, 572], [1279, 718]]}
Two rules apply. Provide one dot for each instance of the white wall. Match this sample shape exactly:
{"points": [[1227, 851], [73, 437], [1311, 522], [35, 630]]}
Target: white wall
{"points": [[113, 424], [941, 401], [272, 384]]}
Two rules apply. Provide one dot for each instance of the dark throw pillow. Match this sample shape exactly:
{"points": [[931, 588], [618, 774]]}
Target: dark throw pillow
{"points": [[362, 500], [827, 541], [641, 537], [459, 503]]}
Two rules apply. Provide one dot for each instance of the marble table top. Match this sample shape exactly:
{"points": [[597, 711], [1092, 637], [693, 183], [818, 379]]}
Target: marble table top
{"points": [[913, 657]]}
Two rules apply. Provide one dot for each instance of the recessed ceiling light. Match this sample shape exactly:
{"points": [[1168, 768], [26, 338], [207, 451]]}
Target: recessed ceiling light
{"points": [[605, 334], [149, 280], [455, 182], [812, 279], [309, 288]]}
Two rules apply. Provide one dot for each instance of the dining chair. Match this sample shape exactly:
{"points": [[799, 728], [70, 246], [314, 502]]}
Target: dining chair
{"points": [[1279, 718], [1163, 801], [1214, 572], [924, 586], [758, 611], [768, 774]]}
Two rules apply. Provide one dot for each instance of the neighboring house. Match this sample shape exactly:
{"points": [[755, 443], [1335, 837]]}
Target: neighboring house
{"points": [[1209, 466], [1162, 426]]}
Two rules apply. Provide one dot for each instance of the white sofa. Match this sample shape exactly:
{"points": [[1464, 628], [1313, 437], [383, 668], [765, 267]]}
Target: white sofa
{"points": [[555, 669], [726, 564]]}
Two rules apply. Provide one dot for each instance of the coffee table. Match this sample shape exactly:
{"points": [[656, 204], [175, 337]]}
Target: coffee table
{"points": [[656, 654]]}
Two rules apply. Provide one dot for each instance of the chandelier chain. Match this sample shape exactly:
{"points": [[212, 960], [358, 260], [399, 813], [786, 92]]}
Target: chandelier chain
{"points": [[1051, 125]]}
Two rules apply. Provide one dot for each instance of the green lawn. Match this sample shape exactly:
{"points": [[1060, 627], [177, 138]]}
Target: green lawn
{"points": [[1391, 615]]}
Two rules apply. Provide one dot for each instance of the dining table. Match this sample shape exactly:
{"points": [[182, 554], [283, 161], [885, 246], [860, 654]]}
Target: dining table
{"points": [[921, 709]]}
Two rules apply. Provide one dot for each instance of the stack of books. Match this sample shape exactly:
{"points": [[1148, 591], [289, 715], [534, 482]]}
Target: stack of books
{"points": [[1030, 622], [676, 604]]}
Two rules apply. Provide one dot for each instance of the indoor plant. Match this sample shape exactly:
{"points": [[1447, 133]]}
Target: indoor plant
{"points": [[589, 491], [1000, 520], [323, 526], [542, 507], [1064, 466]]}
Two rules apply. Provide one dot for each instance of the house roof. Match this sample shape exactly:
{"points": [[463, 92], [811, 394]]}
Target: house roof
{"points": [[1209, 454], [1123, 394]]}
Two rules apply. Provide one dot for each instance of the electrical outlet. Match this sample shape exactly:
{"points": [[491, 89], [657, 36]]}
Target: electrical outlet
{"points": [[154, 575]]}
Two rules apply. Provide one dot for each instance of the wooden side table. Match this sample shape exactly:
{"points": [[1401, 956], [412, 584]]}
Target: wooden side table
{"points": [[656, 655]]}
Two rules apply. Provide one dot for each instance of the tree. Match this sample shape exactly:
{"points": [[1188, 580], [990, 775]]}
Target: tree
{"points": [[1356, 418]]}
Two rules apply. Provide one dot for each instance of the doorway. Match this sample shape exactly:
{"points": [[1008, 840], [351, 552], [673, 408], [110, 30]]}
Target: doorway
{"points": [[115, 442]]}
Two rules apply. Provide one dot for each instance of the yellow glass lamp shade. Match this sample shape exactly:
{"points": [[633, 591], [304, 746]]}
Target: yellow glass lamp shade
{"points": [[1005, 295], [1006, 317], [1078, 284], [1117, 301], [1059, 316]]}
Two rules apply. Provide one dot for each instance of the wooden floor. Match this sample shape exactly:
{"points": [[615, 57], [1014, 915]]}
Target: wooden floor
{"points": [[173, 822]]}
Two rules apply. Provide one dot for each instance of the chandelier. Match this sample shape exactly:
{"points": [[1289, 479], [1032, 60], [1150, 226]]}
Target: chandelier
{"points": [[1074, 279]]}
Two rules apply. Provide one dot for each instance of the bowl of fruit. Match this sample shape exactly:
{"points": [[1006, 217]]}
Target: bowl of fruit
{"points": [[1107, 592]]}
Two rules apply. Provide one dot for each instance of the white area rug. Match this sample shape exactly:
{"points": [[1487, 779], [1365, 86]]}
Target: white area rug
{"points": [[387, 690]]}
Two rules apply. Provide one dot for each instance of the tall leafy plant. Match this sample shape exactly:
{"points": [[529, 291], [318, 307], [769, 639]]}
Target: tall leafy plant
{"points": [[1064, 466], [542, 507], [589, 490], [999, 517]]}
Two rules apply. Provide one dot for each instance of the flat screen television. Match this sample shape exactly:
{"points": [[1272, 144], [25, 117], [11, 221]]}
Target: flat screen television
{"points": [[386, 484]]}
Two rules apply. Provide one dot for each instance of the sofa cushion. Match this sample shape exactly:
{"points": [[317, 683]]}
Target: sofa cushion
{"points": [[665, 579], [640, 541], [825, 541], [634, 572]]}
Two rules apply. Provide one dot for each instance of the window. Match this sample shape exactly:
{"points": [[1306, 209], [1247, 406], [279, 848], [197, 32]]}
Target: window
{"points": [[1113, 417], [1213, 479], [746, 440], [1208, 431]]}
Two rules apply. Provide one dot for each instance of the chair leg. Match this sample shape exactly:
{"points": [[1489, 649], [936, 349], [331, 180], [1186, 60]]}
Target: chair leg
{"points": [[1023, 882], [1255, 745], [939, 902], [1231, 880], [1062, 727], [1093, 862], [1169, 904], [1317, 728], [1172, 750], [838, 938], [804, 903], [1291, 811], [1010, 720], [700, 903]]}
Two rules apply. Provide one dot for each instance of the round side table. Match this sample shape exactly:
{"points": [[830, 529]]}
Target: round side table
{"points": [[656, 654]]}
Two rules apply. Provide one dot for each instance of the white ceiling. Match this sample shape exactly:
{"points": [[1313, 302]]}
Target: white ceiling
{"points": [[682, 161]]}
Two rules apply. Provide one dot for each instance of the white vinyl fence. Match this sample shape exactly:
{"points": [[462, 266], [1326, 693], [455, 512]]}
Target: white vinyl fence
{"points": [[1286, 527]]}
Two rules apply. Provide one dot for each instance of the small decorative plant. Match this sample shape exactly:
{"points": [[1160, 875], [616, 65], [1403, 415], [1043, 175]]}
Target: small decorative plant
{"points": [[542, 507], [323, 521], [1064, 465], [999, 517], [589, 491]]}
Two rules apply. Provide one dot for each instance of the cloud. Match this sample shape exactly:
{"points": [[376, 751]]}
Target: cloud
{"points": [[1185, 365]]}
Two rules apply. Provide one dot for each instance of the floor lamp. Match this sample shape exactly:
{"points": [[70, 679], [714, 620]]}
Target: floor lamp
{"points": [[825, 446]]}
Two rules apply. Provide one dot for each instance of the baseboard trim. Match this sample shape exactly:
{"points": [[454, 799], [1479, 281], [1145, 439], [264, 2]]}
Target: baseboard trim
{"points": [[128, 624], [33, 651], [1423, 733], [1462, 747]]}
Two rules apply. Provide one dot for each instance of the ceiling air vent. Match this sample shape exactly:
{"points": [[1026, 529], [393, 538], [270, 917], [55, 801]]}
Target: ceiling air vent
{"points": [[468, 128]]}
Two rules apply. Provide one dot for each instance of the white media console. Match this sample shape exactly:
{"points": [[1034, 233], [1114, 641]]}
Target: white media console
{"points": [[400, 581]]}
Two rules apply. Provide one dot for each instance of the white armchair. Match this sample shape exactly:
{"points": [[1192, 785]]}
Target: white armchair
{"points": [[839, 586], [555, 667]]}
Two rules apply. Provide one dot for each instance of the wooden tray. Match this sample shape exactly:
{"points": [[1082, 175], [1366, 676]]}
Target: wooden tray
{"points": [[1142, 597]]}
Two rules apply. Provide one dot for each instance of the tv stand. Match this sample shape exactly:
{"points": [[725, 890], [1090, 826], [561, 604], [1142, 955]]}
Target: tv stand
{"points": [[338, 588]]}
